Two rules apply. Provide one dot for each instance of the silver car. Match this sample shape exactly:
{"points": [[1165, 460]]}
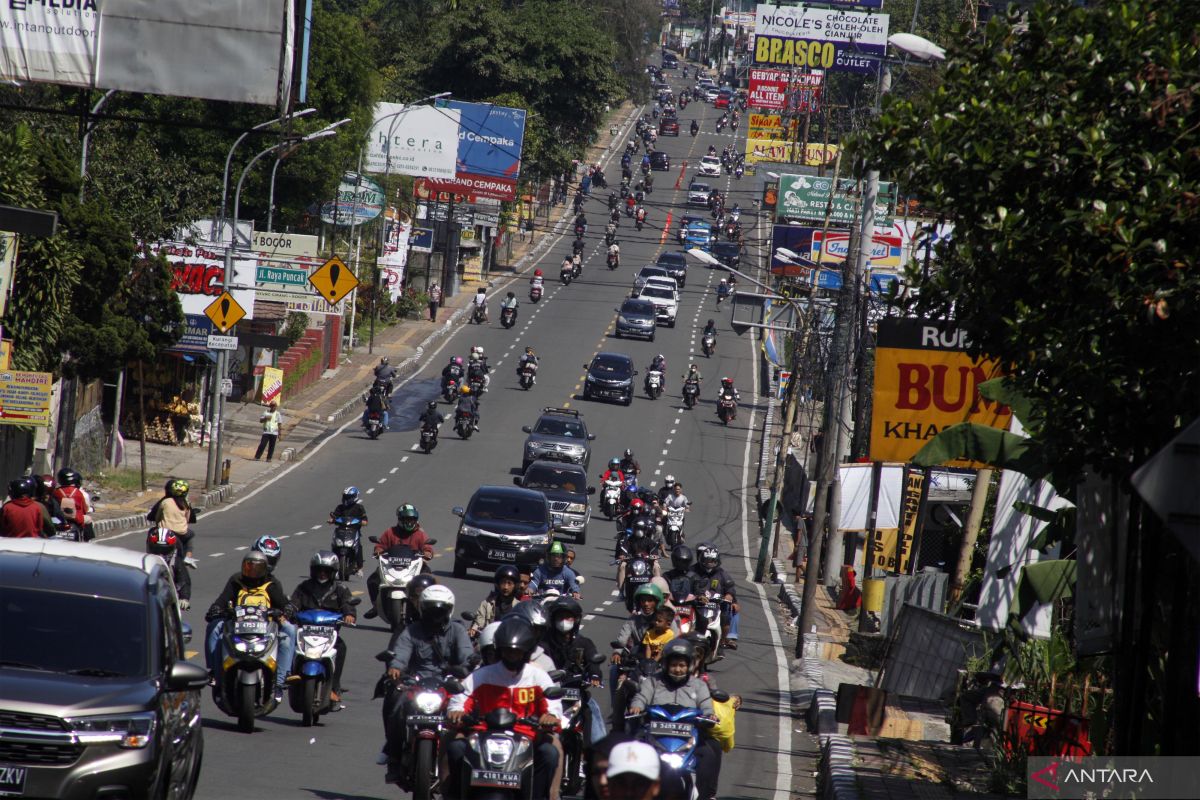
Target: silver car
{"points": [[559, 435]]}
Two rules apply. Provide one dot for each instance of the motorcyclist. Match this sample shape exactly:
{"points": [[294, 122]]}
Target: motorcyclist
{"points": [[568, 265], [478, 368], [510, 301], [614, 254], [641, 214], [695, 127], [517, 685], [709, 330], [406, 532], [676, 686], [322, 591], [22, 517], [428, 648], [452, 371], [710, 577], [528, 358], [44, 493], [664, 491], [722, 292], [629, 464], [728, 389], [676, 499], [537, 280], [375, 402], [500, 601], [467, 403], [385, 372], [431, 418], [534, 613], [630, 205], [253, 585], [646, 601], [480, 301], [659, 362], [580, 223], [613, 200], [639, 540], [554, 574], [70, 487], [610, 232], [173, 511], [614, 472], [578, 246], [680, 577], [576, 653]]}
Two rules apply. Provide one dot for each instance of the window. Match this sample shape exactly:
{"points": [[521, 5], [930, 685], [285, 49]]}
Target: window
{"points": [[553, 426], [547, 478], [509, 509]]}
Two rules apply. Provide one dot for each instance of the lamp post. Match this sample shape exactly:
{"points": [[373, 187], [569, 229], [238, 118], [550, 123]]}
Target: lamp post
{"points": [[88, 126], [216, 402], [275, 168]]}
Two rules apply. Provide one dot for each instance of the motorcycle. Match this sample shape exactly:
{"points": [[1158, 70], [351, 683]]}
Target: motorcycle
{"points": [[249, 648], [639, 569], [535, 292], [632, 668], [673, 529], [641, 220], [674, 732], [449, 389], [610, 498], [316, 649], [708, 343], [429, 438], [397, 566], [499, 762], [726, 409], [575, 736], [464, 425], [479, 315], [347, 534], [476, 384], [580, 230], [654, 383], [695, 128], [691, 391], [706, 613], [609, 238], [424, 707], [66, 528], [527, 373], [614, 261], [508, 316], [567, 274], [739, 171], [374, 424]]}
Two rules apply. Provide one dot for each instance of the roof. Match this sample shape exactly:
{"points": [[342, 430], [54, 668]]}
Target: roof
{"points": [[509, 491], [70, 567]]}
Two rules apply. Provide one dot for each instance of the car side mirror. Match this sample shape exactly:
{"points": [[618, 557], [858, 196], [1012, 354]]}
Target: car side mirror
{"points": [[591, 437], [591, 490], [457, 511], [184, 676], [516, 481], [585, 366], [526, 429]]}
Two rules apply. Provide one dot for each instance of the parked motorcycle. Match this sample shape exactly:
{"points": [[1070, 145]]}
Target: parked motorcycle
{"points": [[527, 373], [316, 650], [397, 567], [508, 316], [347, 535], [249, 648], [691, 391], [654, 383]]}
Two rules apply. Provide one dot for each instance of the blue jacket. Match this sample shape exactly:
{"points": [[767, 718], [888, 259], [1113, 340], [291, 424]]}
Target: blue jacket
{"points": [[546, 577]]}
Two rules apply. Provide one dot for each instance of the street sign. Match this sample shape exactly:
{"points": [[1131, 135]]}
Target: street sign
{"points": [[216, 342], [225, 312], [333, 280], [226, 387], [281, 275]]}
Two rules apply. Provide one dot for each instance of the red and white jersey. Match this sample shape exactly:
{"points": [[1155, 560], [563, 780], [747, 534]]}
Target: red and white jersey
{"points": [[495, 686]]}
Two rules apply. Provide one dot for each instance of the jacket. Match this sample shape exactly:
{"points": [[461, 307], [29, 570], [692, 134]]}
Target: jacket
{"points": [[350, 511], [25, 518], [489, 610], [635, 628], [719, 582], [428, 654], [655, 692], [167, 512], [574, 654], [331, 596], [496, 686], [418, 540], [236, 583], [563, 580]]}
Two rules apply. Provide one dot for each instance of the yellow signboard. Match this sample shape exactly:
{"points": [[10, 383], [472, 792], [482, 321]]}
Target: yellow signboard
{"points": [[333, 280], [770, 126], [5, 353], [782, 151], [225, 312], [883, 551], [272, 385], [25, 398]]}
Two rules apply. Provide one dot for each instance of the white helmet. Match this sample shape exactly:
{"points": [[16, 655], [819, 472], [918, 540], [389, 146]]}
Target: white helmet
{"points": [[436, 604], [670, 481], [487, 636]]}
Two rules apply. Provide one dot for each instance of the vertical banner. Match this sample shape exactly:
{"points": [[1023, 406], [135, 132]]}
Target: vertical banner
{"points": [[391, 279], [272, 385], [8, 265], [915, 490]]}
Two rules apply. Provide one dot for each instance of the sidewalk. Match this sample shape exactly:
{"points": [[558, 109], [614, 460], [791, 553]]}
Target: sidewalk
{"points": [[313, 413]]}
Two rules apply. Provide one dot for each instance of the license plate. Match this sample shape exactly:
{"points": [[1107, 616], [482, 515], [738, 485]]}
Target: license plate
{"points": [[658, 728], [498, 780], [12, 780], [249, 627], [638, 579], [424, 719], [502, 555], [571, 695]]}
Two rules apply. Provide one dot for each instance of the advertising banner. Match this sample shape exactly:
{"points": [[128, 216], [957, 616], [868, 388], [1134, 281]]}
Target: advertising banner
{"points": [[211, 49], [488, 158], [819, 38], [8, 265], [832, 248], [420, 141], [194, 339], [925, 382], [425, 189], [770, 126], [796, 238], [421, 240], [777, 89], [391, 279], [807, 197], [272, 385], [197, 270], [359, 199], [783, 151], [25, 398], [395, 245]]}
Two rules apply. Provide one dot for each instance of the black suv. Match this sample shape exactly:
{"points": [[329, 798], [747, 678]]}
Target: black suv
{"points": [[502, 525], [660, 161], [566, 489], [559, 435], [675, 263], [96, 696], [728, 253], [610, 377]]}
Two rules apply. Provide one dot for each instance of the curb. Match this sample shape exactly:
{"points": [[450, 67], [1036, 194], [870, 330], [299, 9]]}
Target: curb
{"points": [[835, 777], [215, 497]]}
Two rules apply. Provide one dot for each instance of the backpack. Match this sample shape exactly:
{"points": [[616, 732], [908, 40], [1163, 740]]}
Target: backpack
{"points": [[254, 596]]}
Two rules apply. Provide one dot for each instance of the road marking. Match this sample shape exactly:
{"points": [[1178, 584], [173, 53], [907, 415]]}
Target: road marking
{"points": [[190, 654], [405, 458], [668, 442], [243, 547], [665, 452], [216, 555], [662, 462], [586, 617], [414, 448], [317, 527], [283, 536], [301, 533], [393, 470], [566, 405], [677, 421], [371, 490], [356, 592], [615, 593], [673, 430], [608, 602], [382, 480]]}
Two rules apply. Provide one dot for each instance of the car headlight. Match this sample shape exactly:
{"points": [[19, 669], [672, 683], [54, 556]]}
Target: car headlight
{"points": [[672, 760], [131, 731], [533, 445], [467, 530], [428, 702], [576, 508], [543, 539], [623, 320]]}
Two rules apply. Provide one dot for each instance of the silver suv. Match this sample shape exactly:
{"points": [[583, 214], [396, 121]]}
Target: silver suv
{"points": [[96, 697], [559, 435]]}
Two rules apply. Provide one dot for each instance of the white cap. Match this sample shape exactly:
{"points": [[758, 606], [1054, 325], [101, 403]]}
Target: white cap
{"points": [[636, 757]]}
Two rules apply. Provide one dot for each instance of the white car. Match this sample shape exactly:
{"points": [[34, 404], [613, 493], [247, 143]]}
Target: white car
{"points": [[698, 194], [710, 166], [663, 282], [666, 302], [711, 93]]}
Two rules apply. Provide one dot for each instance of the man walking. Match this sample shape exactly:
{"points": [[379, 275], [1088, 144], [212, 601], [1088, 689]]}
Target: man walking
{"points": [[435, 300], [270, 419]]}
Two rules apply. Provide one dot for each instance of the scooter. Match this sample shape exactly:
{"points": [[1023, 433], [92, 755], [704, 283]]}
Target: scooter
{"points": [[316, 649], [374, 424], [674, 731], [535, 292], [249, 648], [397, 567], [429, 438], [726, 409], [479, 315], [691, 391], [707, 622], [610, 498], [673, 529], [508, 316], [639, 569], [464, 425], [654, 383], [614, 261], [567, 274], [499, 762], [450, 389], [577, 265], [641, 220], [708, 343], [347, 534], [527, 373]]}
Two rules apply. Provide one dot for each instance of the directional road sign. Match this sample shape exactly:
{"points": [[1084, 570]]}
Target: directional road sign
{"points": [[225, 312], [333, 280]]}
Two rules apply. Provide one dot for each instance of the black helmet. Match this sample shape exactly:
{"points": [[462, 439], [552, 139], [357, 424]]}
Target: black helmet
{"points": [[69, 477], [383, 361], [21, 487], [534, 616], [516, 633], [324, 563], [708, 556], [512, 294], [254, 565], [677, 648], [418, 585], [565, 607], [506, 572], [431, 406], [682, 558], [350, 495], [161, 541]]}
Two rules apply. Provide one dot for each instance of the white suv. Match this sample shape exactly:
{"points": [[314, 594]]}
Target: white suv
{"points": [[665, 300]]}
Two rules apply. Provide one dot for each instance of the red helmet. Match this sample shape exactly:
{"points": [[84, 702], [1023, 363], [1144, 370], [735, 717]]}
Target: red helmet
{"points": [[637, 504], [726, 380], [537, 273]]}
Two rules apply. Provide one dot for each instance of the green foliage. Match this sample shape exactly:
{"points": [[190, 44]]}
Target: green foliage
{"points": [[294, 327], [1064, 150]]}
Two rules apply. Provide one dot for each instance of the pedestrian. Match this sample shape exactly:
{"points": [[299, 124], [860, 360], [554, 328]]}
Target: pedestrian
{"points": [[435, 300], [270, 419]]}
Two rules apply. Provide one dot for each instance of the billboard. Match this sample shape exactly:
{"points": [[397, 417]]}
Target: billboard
{"points": [[777, 89], [819, 38], [924, 382], [783, 151], [210, 49], [488, 160], [196, 272], [833, 246], [807, 197], [421, 141], [359, 199], [25, 398]]}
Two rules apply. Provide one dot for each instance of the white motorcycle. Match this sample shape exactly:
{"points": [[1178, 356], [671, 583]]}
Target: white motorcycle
{"points": [[673, 531], [396, 568], [654, 383], [610, 498]]}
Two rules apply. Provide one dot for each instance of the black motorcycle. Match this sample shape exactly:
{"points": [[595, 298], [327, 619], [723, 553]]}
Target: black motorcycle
{"points": [[576, 734], [419, 719], [347, 538], [429, 437], [508, 316]]}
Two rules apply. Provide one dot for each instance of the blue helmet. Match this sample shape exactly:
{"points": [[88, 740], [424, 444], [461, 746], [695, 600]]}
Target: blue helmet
{"points": [[350, 495]]}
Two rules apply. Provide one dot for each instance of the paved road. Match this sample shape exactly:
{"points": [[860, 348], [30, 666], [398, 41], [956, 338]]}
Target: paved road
{"points": [[717, 465]]}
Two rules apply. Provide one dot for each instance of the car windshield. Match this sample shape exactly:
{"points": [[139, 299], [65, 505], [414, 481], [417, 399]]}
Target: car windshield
{"points": [[698, 187], [710, 160], [631, 308], [556, 426], [549, 478], [660, 292], [652, 272], [611, 367], [58, 631], [726, 248], [673, 259], [508, 508]]}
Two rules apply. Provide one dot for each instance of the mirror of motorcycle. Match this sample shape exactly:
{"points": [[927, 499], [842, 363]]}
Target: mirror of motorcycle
{"points": [[384, 656], [635, 372], [468, 616], [591, 490], [453, 686], [719, 696], [517, 481], [551, 693], [458, 672], [373, 539], [431, 542], [457, 511], [526, 429], [599, 658]]}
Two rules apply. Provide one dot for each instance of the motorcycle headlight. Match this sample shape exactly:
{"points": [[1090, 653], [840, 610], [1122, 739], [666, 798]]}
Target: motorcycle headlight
{"points": [[576, 508], [428, 702], [130, 731], [672, 760], [498, 750], [467, 530], [639, 568]]}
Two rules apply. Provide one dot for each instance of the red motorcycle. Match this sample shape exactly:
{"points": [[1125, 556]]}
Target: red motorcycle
{"points": [[422, 703]]}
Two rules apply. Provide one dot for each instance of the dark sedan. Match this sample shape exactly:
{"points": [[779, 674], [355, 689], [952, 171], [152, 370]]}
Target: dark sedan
{"points": [[502, 525], [609, 377], [660, 161]]}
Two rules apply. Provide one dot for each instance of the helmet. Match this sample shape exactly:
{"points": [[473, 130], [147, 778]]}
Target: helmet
{"points": [[431, 405], [516, 633], [457, 360], [639, 528], [659, 357], [44, 484], [22, 487], [614, 463], [556, 549], [464, 389], [383, 361], [506, 572], [477, 350], [708, 556], [677, 648], [532, 613], [418, 585], [270, 547], [712, 323], [669, 481], [638, 505], [682, 558], [69, 477], [566, 607], [487, 636], [408, 517], [628, 453], [537, 273], [437, 605], [529, 350], [324, 563], [350, 495], [648, 590], [254, 565], [161, 541], [177, 487]]}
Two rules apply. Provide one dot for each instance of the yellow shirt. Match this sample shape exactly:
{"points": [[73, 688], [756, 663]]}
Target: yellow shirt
{"points": [[656, 642]]}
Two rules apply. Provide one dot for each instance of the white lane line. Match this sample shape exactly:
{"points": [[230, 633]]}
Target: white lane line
{"points": [[677, 422], [414, 448], [371, 490], [615, 593], [283, 536], [586, 617], [406, 457], [608, 602], [243, 547], [301, 533], [673, 430], [215, 555], [382, 480], [668, 442], [317, 527], [665, 452], [661, 462], [393, 470], [658, 472]]}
